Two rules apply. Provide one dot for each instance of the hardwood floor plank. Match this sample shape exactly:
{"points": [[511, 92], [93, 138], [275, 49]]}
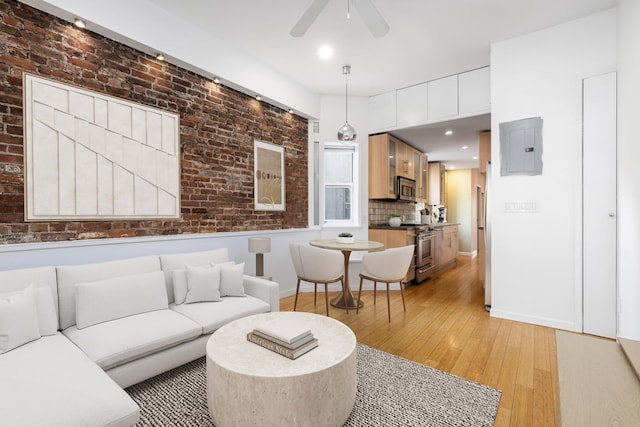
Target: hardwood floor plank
{"points": [[446, 327]]}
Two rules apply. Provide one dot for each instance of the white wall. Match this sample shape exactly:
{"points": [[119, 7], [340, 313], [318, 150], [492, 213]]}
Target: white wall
{"points": [[536, 256], [459, 205], [628, 170]]}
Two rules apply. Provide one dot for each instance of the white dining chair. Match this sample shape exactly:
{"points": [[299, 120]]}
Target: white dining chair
{"points": [[317, 265], [389, 266]]}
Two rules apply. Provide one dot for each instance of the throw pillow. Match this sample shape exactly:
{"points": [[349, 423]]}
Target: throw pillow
{"points": [[180, 282], [203, 283], [111, 299], [18, 319], [232, 280], [45, 306]]}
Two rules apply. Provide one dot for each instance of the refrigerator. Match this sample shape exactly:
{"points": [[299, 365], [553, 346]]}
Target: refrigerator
{"points": [[487, 239]]}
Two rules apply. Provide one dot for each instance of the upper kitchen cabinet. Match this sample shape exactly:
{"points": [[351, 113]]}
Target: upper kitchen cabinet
{"points": [[437, 184], [422, 178], [484, 150], [461, 95], [382, 166], [412, 105], [405, 162], [442, 99], [474, 92], [382, 111]]}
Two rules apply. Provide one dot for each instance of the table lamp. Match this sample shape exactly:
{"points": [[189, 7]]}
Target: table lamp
{"points": [[259, 246]]}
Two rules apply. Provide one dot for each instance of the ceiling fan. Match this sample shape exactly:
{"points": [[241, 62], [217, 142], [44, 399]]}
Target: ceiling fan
{"points": [[368, 12]]}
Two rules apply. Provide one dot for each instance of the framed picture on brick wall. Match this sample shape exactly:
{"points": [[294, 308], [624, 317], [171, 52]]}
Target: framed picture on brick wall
{"points": [[268, 175]]}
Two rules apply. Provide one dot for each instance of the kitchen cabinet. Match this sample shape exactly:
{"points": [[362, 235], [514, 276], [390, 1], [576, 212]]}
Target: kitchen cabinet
{"points": [[382, 110], [405, 160], [446, 246], [396, 238], [442, 99], [411, 105], [437, 183], [484, 150], [474, 92], [382, 166], [422, 178]]}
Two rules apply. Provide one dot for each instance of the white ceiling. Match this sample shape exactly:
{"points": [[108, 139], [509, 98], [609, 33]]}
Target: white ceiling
{"points": [[428, 39]]}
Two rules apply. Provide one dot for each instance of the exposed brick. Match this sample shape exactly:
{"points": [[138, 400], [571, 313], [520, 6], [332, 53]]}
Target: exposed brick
{"points": [[217, 129]]}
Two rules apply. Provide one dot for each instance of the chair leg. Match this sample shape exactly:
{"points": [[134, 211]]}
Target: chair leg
{"points": [[375, 285], [402, 293], [295, 302], [315, 293], [344, 296], [359, 293], [388, 304], [326, 297]]}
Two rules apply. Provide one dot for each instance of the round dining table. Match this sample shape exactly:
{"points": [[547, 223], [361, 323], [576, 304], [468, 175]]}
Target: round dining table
{"points": [[346, 249]]}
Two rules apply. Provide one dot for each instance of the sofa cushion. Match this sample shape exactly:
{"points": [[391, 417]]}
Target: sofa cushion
{"points": [[203, 283], [18, 319], [46, 308], [212, 315], [119, 341], [172, 262], [232, 280], [41, 278], [70, 275], [50, 382], [123, 296]]}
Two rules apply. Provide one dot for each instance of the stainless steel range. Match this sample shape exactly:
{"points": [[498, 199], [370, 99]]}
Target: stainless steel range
{"points": [[425, 251]]}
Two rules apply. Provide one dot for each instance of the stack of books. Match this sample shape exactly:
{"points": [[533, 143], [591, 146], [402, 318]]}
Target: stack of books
{"points": [[282, 337]]}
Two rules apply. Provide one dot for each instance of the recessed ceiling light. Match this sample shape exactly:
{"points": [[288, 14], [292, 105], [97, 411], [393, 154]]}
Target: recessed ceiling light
{"points": [[79, 23], [159, 56], [325, 52], [475, 157], [448, 132], [216, 80], [464, 147], [258, 97]]}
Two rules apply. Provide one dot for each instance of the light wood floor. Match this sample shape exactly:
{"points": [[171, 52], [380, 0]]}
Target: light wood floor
{"points": [[446, 327]]}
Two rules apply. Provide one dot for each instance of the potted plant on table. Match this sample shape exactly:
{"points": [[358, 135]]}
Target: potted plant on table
{"points": [[345, 237]]}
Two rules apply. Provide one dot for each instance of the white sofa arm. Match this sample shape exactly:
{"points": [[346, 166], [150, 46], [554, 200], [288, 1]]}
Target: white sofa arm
{"points": [[266, 290]]}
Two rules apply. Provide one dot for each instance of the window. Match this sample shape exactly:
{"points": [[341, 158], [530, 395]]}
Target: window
{"points": [[340, 184]]}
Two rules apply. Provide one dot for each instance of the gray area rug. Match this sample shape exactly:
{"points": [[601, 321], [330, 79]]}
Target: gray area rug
{"points": [[392, 392]]}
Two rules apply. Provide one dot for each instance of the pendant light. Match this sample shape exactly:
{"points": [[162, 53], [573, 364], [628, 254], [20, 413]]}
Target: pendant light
{"points": [[346, 133]]}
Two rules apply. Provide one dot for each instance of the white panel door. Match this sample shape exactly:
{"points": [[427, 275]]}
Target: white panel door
{"points": [[599, 206]]}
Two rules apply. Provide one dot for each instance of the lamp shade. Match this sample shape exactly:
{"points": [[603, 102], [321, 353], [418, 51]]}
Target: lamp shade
{"points": [[259, 245]]}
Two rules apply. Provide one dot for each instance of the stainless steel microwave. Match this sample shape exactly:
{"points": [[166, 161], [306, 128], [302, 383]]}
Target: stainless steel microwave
{"points": [[406, 189]]}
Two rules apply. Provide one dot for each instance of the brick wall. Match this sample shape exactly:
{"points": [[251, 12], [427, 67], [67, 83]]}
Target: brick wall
{"points": [[217, 128]]}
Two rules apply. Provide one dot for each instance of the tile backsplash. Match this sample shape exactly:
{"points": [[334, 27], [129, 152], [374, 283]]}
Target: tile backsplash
{"points": [[380, 210]]}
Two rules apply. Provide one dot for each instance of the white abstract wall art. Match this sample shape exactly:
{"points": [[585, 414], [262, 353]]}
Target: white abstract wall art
{"points": [[94, 157]]}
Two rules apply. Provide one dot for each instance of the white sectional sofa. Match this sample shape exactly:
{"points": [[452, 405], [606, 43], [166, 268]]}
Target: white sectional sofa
{"points": [[72, 337]]}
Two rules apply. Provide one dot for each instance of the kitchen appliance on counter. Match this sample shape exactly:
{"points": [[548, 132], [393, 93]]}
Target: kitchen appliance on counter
{"points": [[406, 189], [441, 212], [425, 251]]}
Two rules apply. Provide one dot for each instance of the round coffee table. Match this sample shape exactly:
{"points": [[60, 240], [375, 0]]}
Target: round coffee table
{"points": [[248, 385]]}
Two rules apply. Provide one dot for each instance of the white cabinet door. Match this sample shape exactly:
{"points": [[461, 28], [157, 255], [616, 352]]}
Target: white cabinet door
{"points": [[412, 105], [442, 98], [474, 89], [599, 206], [382, 111]]}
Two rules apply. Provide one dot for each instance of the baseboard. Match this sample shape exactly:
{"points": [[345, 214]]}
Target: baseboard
{"points": [[469, 254], [536, 320]]}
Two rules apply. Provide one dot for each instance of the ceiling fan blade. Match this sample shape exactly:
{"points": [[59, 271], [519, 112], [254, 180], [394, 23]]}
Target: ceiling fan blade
{"points": [[371, 17], [308, 18]]}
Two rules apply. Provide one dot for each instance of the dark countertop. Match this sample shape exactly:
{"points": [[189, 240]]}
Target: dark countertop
{"points": [[410, 226]]}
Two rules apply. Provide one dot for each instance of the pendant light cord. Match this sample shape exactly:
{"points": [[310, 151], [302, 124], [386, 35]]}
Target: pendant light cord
{"points": [[346, 70]]}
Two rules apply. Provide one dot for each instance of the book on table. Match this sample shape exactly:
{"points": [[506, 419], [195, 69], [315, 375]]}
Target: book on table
{"points": [[283, 330], [293, 345], [291, 353]]}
